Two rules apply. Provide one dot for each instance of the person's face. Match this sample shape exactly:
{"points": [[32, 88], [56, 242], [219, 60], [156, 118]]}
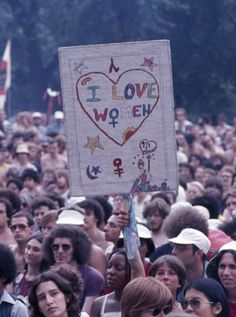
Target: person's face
{"points": [[203, 307], [53, 148], [48, 177], [154, 221], [61, 181], [227, 271], [185, 173], [51, 300], [12, 186], [231, 204], [22, 157], [184, 252], [90, 220], [3, 215], [63, 250], [112, 229], [37, 121], [195, 162], [169, 277], [226, 178], [48, 227], [180, 116], [116, 272], [199, 174], [29, 183], [193, 192], [33, 252], [39, 213], [20, 229]]}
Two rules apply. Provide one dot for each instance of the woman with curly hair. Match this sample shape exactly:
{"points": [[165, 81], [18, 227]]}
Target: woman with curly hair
{"points": [[52, 295]]}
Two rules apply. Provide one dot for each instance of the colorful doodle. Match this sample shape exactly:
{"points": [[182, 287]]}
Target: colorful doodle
{"points": [[117, 162], [133, 96], [93, 143], [149, 62]]}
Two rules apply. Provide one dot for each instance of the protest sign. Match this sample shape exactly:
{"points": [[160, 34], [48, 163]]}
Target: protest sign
{"points": [[119, 117]]}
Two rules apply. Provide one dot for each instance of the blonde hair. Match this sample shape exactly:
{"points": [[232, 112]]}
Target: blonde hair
{"points": [[144, 293]]}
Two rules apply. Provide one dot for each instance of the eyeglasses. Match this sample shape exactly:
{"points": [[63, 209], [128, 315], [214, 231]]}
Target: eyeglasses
{"points": [[64, 246], [21, 226], [194, 303], [156, 310]]}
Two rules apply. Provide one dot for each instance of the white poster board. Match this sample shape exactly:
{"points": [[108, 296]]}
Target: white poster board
{"points": [[119, 117]]}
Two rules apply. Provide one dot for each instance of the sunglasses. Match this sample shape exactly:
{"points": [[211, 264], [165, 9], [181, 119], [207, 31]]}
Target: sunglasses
{"points": [[21, 226], [156, 310], [194, 303], [64, 246]]}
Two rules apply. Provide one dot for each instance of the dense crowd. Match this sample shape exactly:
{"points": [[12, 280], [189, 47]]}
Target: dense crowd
{"points": [[63, 256]]}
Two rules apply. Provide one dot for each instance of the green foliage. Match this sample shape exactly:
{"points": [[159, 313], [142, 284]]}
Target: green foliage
{"points": [[201, 33]]}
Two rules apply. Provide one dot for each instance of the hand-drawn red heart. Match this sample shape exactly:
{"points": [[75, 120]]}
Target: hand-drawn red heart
{"points": [[118, 108]]}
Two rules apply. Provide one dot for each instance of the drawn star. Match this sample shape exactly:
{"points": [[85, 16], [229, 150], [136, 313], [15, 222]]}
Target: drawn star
{"points": [[96, 170], [149, 62], [80, 68], [93, 143]]}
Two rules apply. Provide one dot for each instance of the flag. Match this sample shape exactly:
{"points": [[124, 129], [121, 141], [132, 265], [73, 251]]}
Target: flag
{"points": [[5, 74]]}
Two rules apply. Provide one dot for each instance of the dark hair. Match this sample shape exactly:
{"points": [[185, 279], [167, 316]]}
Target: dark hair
{"points": [[157, 204], [80, 240], [73, 305], [54, 197], [213, 291], [229, 228], [44, 201], [28, 216], [107, 207], [30, 173], [8, 208], [12, 198], [184, 216], [211, 203], [127, 265], [196, 156], [215, 182], [162, 195], [95, 206], [212, 268], [7, 264], [16, 181], [174, 263]]}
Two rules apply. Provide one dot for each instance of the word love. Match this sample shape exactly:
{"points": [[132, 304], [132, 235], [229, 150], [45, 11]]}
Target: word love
{"points": [[118, 108], [130, 91]]}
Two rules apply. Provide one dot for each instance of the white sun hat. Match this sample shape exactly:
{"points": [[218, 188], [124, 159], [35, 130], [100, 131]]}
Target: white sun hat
{"points": [[193, 236]]}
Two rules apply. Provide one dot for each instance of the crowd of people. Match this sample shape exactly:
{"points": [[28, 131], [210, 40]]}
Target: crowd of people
{"points": [[65, 256]]}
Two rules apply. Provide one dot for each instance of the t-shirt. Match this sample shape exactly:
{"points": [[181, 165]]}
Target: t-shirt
{"points": [[93, 281]]}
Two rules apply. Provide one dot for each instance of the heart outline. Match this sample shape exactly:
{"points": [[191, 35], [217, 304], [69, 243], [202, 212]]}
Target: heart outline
{"points": [[115, 82]]}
